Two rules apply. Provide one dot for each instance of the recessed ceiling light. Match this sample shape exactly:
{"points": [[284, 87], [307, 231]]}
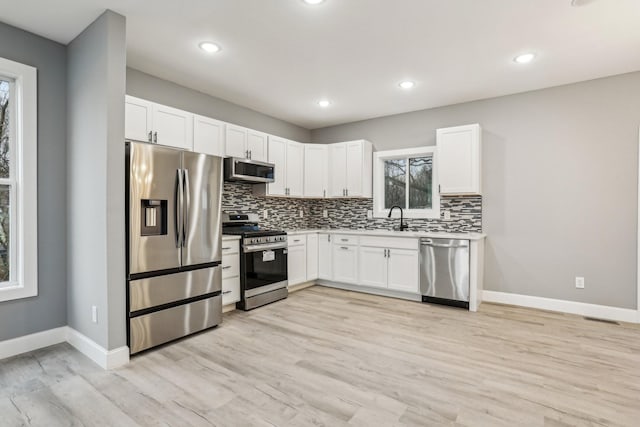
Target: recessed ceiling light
{"points": [[210, 47], [312, 2], [324, 103], [525, 58], [407, 84]]}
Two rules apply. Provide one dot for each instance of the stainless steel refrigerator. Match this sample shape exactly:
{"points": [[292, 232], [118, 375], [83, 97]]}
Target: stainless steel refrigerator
{"points": [[174, 278]]}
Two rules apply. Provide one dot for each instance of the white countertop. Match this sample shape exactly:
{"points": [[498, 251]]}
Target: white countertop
{"points": [[230, 237], [390, 233]]}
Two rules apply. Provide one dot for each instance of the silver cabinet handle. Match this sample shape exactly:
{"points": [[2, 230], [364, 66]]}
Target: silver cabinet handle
{"points": [[225, 249], [150, 136], [346, 192], [226, 292], [250, 154], [328, 237], [324, 193], [344, 240], [297, 240], [344, 247], [226, 267], [385, 253], [155, 137], [388, 253]]}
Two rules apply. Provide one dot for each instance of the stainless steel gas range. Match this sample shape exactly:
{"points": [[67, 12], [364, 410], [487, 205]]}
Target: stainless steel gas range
{"points": [[263, 260]]}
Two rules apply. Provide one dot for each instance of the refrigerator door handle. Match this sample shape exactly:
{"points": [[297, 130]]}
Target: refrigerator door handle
{"points": [[178, 208], [187, 206]]}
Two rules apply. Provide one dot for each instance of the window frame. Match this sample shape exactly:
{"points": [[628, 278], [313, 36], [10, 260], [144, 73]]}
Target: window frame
{"points": [[379, 157], [23, 128]]}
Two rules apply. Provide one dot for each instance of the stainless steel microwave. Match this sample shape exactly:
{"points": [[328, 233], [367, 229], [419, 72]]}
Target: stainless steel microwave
{"points": [[237, 169]]}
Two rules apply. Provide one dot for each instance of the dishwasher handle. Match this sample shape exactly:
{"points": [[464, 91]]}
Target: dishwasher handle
{"points": [[460, 244]]}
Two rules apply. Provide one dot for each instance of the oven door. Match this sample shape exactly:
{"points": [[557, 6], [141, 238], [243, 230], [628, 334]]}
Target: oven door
{"points": [[264, 269]]}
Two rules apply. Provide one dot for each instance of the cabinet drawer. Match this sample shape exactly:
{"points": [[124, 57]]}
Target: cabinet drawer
{"points": [[344, 239], [230, 266], [230, 247], [297, 240], [230, 290], [390, 242]]}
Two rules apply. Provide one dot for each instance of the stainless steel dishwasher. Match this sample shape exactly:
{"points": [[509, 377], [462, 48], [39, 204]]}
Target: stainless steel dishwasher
{"points": [[444, 271]]}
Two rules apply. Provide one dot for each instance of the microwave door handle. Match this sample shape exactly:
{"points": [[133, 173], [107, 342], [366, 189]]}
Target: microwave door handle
{"points": [[177, 217], [187, 208]]}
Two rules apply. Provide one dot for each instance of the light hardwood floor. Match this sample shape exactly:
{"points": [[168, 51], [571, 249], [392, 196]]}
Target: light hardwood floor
{"points": [[326, 357]]}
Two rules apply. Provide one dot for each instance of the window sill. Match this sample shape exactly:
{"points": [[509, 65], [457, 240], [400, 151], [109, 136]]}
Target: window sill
{"points": [[10, 291]]}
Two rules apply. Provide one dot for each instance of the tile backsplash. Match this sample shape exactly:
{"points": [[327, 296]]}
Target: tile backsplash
{"points": [[284, 213]]}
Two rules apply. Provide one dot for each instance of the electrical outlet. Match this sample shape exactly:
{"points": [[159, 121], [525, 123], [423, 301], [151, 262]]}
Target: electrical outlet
{"points": [[301, 213], [446, 215], [325, 213], [580, 282], [370, 214], [94, 314], [265, 214]]}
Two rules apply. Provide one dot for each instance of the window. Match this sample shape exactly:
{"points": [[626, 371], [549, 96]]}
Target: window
{"points": [[406, 178], [18, 181]]}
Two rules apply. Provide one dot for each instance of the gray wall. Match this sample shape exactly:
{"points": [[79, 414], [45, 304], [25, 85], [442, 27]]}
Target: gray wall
{"points": [[560, 170], [95, 156], [48, 309], [168, 93]]}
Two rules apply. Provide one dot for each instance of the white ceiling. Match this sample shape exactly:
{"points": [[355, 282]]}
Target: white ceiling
{"points": [[281, 56]]}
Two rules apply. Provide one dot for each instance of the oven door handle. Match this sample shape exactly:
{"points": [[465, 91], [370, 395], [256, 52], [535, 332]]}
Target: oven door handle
{"points": [[259, 248]]}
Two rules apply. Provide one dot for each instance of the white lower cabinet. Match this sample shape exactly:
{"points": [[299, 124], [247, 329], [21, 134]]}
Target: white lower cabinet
{"points": [[312, 257], [325, 266], [345, 263], [403, 267], [373, 267], [297, 260], [230, 271]]}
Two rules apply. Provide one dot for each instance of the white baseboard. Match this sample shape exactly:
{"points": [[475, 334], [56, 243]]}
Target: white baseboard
{"points": [[106, 359], [301, 286], [571, 307], [32, 342]]}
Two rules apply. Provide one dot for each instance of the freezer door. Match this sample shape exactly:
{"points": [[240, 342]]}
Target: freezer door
{"points": [[153, 202], [202, 180]]}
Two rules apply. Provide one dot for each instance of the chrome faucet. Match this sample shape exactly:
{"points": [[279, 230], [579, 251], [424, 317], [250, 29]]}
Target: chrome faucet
{"points": [[403, 226]]}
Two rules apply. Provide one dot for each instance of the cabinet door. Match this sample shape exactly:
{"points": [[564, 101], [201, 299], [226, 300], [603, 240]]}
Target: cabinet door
{"points": [[312, 257], [325, 267], [354, 153], [208, 136], [345, 264], [257, 145], [137, 119], [459, 150], [235, 141], [295, 169], [297, 264], [278, 156], [403, 270], [172, 127], [338, 168], [373, 267], [316, 170], [230, 290]]}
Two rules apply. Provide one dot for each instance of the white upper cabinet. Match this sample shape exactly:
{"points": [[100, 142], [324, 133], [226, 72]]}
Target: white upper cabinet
{"points": [[288, 160], [351, 169], [236, 142], [246, 143], [277, 154], [137, 123], [316, 170], [337, 169], [148, 121], [295, 169], [172, 127], [208, 136], [459, 159], [257, 145]]}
